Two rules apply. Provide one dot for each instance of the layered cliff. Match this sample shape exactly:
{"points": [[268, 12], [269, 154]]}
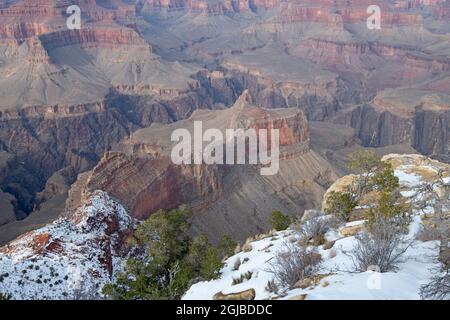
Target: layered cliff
{"points": [[141, 174], [210, 7], [413, 117]]}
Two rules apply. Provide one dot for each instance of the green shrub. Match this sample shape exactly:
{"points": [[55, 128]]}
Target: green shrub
{"points": [[384, 178], [373, 175], [279, 221], [171, 260], [203, 259], [341, 204], [226, 246], [389, 206]]}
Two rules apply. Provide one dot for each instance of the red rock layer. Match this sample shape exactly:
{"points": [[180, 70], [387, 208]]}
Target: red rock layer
{"points": [[147, 180], [102, 36], [341, 53]]}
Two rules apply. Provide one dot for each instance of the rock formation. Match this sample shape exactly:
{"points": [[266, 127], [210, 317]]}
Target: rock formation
{"points": [[142, 176], [73, 257]]}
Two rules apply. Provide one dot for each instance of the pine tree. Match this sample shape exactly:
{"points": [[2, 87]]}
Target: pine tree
{"points": [[170, 260]]}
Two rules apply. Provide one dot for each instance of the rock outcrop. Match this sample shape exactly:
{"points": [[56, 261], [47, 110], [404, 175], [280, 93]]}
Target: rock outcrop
{"points": [[419, 123], [142, 176], [72, 257], [244, 295]]}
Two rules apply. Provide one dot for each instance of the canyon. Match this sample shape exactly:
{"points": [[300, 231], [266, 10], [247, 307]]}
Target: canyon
{"points": [[140, 174], [93, 109]]}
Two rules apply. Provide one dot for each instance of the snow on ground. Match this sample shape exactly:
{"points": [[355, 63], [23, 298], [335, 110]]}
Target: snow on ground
{"points": [[343, 283], [77, 252], [407, 179], [340, 279]]}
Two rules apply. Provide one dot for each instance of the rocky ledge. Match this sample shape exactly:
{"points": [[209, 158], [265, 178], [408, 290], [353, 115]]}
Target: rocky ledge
{"points": [[73, 256]]}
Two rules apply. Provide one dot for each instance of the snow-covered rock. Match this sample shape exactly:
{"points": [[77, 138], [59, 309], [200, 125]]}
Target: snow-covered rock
{"points": [[338, 279], [75, 255]]}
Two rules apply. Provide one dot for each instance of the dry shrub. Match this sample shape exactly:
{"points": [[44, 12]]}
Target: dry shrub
{"points": [[237, 264], [272, 287], [438, 288], [314, 227], [382, 248], [294, 263]]}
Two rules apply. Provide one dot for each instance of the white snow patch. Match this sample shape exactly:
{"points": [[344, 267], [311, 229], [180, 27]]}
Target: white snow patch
{"points": [[53, 261]]}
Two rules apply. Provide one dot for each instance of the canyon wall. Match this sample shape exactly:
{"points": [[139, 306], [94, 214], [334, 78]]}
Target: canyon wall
{"points": [[426, 130], [141, 175]]}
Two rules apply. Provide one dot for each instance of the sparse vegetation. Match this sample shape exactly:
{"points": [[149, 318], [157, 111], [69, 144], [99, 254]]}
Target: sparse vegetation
{"points": [[243, 277], [438, 288], [294, 263], [436, 195], [5, 296], [312, 230], [272, 287], [381, 248], [248, 275], [237, 264]]}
